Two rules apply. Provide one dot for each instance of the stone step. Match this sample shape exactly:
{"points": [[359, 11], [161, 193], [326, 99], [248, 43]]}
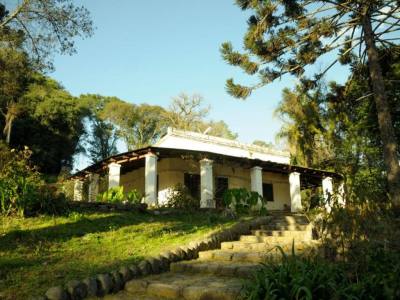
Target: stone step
{"points": [[290, 220], [242, 246], [182, 286], [124, 295], [284, 227], [272, 240], [219, 268], [234, 256], [297, 234]]}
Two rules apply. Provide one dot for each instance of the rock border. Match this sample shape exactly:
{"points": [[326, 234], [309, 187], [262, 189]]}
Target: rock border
{"points": [[114, 281]]}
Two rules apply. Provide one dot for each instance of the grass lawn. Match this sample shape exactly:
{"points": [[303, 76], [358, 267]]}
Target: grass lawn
{"points": [[37, 253]]}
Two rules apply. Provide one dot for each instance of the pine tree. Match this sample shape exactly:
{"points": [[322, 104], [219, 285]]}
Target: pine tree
{"points": [[286, 36]]}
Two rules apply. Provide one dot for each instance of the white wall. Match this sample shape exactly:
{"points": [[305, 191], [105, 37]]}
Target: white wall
{"points": [[171, 172]]}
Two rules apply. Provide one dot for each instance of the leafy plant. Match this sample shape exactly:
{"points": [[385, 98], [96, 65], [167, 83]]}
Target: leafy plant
{"points": [[179, 197], [134, 196], [22, 191], [298, 277], [242, 200], [112, 195]]}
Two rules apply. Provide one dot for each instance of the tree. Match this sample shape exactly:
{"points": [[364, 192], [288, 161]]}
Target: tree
{"points": [[137, 125], [15, 71], [103, 141], [303, 125], [46, 26], [263, 144], [218, 129], [187, 112], [347, 139], [50, 124], [286, 36]]}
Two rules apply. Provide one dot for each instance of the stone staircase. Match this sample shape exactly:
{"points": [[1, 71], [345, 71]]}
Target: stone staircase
{"points": [[219, 274]]}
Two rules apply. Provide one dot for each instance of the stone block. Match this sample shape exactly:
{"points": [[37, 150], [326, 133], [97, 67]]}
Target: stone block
{"points": [[76, 289], [135, 271], [169, 291], [155, 265], [57, 293], [144, 267], [136, 286], [125, 273], [91, 286], [104, 284], [118, 283]]}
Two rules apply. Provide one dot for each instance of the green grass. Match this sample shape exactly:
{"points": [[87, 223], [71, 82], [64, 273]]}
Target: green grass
{"points": [[37, 253]]}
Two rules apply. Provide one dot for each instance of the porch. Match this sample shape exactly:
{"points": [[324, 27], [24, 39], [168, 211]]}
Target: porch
{"points": [[156, 171]]}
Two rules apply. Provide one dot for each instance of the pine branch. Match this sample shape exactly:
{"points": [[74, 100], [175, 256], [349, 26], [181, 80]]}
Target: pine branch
{"points": [[16, 12]]}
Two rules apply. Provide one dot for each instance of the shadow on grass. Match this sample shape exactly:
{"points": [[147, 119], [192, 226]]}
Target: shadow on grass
{"points": [[185, 223], [37, 277]]}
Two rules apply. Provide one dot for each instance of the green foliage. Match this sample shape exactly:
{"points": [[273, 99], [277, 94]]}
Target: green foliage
{"points": [[296, 277], [134, 197], [243, 201], [112, 195], [102, 142], [284, 37], [288, 37], [45, 27], [22, 190], [50, 124], [179, 197], [83, 244]]}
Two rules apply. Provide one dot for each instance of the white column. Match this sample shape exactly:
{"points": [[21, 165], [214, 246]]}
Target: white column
{"points": [[93, 186], [78, 190], [206, 184], [256, 182], [327, 188], [150, 182], [295, 195], [113, 175]]}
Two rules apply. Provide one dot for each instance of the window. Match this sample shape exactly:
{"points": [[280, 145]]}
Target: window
{"points": [[192, 183], [268, 192], [221, 185]]}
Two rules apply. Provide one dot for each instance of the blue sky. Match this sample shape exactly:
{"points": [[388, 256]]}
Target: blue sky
{"points": [[149, 51]]}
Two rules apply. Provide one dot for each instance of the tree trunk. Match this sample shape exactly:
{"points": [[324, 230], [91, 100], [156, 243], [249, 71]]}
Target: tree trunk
{"points": [[388, 137]]}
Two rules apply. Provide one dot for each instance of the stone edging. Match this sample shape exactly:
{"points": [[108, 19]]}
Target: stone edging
{"points": [[103, 284]]}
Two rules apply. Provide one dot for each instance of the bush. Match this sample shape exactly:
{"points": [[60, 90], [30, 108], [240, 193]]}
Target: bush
{"points": [[134, 197], [243, 201], [313, 278], [22, 191], [179, 197], [112, 195]]}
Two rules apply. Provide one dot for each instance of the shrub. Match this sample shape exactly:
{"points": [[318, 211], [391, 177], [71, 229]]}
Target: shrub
{"points": [[22, 191], [112, 195], [297, 277], [179, 197], [243, 201], [134, 197]]}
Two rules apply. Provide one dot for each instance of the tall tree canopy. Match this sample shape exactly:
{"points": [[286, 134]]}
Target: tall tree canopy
{"points": [[50, 124], [336, 128], [46, 26], [286, 36], [188, 112], [137, 125]]}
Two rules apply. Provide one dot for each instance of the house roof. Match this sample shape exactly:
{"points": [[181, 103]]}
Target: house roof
{"points": [[309, 176], [188, 140]]}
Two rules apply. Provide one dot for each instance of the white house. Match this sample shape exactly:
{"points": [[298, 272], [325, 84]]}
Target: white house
{"points": [[207, 166]]}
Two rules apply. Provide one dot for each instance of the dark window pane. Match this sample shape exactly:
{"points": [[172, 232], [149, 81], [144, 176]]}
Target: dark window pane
{"points": [[221, 185], [268, 192], [192, 183]]}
